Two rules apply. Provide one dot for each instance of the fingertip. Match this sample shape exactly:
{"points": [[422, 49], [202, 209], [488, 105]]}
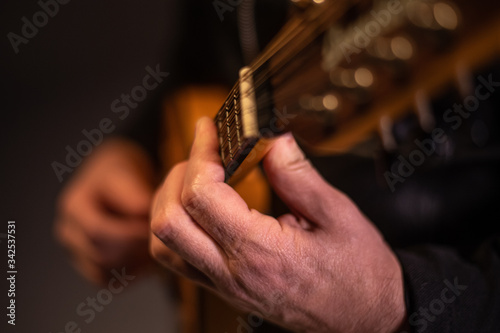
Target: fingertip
{"points": [[284, 153], [205, 139], [202, 125]]}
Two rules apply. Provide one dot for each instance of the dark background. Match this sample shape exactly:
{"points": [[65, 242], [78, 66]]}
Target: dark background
{"points": [[60, 83], [64, 80]]}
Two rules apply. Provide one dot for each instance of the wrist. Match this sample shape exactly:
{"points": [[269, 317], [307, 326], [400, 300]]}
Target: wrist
{"points": [[393, 317]]}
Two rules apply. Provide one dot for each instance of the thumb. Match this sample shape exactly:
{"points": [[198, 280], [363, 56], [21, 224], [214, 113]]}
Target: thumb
{"points": [[298, 183]]}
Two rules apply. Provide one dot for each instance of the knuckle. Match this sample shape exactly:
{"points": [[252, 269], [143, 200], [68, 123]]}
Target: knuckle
{"points": [[94, 231], [163, 228], [156, 223], [160, 254], [193, 197]]}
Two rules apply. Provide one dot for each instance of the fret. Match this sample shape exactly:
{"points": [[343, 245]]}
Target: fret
{"points": [[229, 140], [229, 104], [227, 158], [232, 134], [219, 122], [237, 125], [228, 130], [230, 117]]}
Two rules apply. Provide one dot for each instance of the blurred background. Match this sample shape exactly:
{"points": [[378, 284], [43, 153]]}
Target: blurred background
{"points": [[63, 79], [61, 82]]}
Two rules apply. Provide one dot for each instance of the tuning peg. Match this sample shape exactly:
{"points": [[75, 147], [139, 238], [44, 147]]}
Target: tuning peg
{"points": [[398, 47], [446, 15], [352, 78], [329, 102], [437, 15]]}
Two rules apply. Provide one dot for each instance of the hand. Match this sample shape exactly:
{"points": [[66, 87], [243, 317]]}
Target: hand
{"points": [[322, 268], [103, 213]]}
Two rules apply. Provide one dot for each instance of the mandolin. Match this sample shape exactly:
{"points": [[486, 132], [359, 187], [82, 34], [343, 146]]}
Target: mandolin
{"points": [[337, 75]]}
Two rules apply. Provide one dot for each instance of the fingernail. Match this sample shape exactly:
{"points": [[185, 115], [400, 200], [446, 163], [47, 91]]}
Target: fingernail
{"points": [[294, 153], [289, 152]]}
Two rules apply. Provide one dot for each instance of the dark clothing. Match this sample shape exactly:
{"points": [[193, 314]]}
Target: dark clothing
{"points": [[443, 221]]}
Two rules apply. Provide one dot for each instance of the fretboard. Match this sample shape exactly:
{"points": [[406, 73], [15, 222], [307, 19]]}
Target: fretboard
{"points": [[234, 145]]}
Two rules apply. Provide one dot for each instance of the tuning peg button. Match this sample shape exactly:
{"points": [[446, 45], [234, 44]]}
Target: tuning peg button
{"points": [[352, 78]]}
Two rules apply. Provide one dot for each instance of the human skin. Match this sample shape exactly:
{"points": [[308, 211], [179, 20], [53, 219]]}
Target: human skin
{"points": [[103, 212], [323, 267]]}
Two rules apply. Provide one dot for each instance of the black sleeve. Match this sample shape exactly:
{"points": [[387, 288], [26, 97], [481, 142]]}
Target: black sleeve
{"points": [[449, 293]]}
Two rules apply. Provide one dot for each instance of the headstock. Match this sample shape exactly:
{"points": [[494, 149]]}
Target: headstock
{"points": [[341, 71], [372, 62]]}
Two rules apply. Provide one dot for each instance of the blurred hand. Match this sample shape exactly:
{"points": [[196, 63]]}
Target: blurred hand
{"points": [[103, 213], [322, 268]]}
